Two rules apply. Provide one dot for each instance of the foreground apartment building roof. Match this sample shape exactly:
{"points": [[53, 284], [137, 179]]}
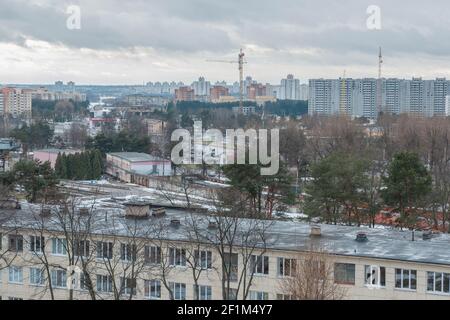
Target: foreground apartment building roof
{"points": [[110, 218], [405, 269]]}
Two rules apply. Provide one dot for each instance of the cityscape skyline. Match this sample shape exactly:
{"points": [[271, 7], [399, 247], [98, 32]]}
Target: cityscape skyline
{"points": [[279, 38]]}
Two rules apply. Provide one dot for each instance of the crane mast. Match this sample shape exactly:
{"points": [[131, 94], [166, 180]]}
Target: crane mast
{"points": [[240, 63], [241, 81]]}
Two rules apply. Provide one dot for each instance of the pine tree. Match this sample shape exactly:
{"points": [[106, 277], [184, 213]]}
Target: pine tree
{"points": [[97, 164], [58, 166], [64, 167]]}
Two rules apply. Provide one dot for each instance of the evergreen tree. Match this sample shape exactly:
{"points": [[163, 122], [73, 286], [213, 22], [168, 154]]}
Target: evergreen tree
{"points": [[58, 166], [97, 164], [407, 184]]}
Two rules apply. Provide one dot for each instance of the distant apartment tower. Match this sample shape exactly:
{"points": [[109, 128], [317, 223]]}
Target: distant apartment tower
{"points": [[16, 102], [447, 106], [369, 98], [304, 92], [201, 87], [323, 96], [363, 97], [417, 101], [184, 94], [218, 91], [440, 95], [256, 90], [290, 88]]}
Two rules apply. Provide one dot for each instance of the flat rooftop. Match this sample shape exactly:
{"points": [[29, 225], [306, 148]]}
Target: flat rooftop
{"points": [[108, 218], [56, 151], [136, 156]]}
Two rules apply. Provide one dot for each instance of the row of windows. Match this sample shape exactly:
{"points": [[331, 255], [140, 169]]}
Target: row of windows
{"points": [[104, 284], [128, 252], [258, 265], [437, 282]]}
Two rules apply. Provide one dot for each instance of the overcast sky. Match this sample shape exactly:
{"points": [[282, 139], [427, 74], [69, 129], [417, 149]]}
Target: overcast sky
{"points": [[134, 41]]}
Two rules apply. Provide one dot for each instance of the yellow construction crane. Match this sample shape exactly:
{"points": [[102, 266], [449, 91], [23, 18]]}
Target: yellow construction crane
{"points": [[240, 63]]}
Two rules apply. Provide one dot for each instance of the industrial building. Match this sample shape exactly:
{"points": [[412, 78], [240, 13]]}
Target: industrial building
{"points": [[51, 155], [132, 166]]}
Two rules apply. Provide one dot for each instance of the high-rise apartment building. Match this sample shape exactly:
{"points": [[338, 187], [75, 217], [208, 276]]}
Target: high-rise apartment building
{"points": [[201, 87], [363, 97], [16, 102], [304, 92], [324, 96], [256, 90], [290, 88], [184, 94], [218, 91]]}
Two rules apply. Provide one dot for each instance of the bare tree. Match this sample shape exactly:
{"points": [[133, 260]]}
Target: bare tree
{"points": [[312, 278], [239, 242]]}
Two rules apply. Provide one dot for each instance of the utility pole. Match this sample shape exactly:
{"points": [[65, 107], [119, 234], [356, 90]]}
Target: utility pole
{"points": [[380, 63], [379, 84]]}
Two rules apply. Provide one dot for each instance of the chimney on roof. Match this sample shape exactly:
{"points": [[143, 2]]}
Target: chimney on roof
{"points": [[316, 231], [427, 235], [361, 237], [84, 211], [158, 212], [136, 210], [175, 223], [212, 225], [45, 212]]}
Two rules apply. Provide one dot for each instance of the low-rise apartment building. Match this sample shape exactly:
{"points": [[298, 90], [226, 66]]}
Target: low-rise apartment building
{"points": [[130, 251]]}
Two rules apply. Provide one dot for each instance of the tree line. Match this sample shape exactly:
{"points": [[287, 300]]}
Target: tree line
{"points": [[353, 172], [87, 165]]}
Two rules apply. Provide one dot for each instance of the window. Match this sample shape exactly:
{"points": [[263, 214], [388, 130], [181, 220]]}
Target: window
{"points": [[152, 289], [232, 294], [177, 257], [59, 278], [375, 276], [84, 281], [178, 290], [438, 282], [203, 259], [15, 274], [406, 279], [128, 286], [230, 266], [37, 276], [37, 244], [203, 292], [281, 296], [59, 246], [104, 283], [153, 255], [104, 250], [14, 298], [286, 267], [16, 243], [259, 265], [82, 248], [128, 252], [259, 295], [344, 273]]}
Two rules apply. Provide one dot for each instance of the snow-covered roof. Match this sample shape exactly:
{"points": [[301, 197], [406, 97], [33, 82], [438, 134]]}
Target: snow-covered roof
{"points": [[108, 218]]}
